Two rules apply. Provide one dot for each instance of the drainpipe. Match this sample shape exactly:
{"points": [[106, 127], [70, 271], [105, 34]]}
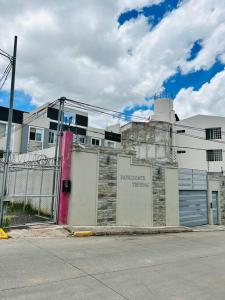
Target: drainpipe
{"points": [[65, 183]]}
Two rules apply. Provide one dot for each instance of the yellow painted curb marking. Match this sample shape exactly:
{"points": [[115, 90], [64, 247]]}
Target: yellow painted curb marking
{"points": [[3, 235], [82, 233]]}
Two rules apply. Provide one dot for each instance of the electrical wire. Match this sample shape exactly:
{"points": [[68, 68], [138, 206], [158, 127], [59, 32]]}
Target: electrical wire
{"points": [[5, 53], [32, 117], [130, 115], [159, 128], [5, 71], [36, 115], [5, 75]]}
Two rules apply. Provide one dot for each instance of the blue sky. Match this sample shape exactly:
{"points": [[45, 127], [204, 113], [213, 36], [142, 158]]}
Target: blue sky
{"points": [[127, 52], [172, 86]]}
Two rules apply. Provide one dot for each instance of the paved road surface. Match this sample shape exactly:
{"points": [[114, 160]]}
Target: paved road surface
{"points": [[173, 266]]}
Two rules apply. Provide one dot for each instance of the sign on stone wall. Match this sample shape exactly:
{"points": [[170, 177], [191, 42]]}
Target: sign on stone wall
{"points": [[137, 181]]}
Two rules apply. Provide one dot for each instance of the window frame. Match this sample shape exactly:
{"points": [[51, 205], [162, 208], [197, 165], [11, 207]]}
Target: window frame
{"points": [[96, 139], [5, 133], [36, 128], [54, 137], [214, 133], [214, 155]]}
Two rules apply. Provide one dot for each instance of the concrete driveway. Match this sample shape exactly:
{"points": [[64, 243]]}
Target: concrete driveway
{"points": [[169, 266]]}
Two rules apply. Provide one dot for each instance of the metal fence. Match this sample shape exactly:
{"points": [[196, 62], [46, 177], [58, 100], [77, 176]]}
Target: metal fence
{"points": [[30, 195]]}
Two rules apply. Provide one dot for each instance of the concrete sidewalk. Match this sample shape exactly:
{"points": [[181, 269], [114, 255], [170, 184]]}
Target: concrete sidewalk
{"points": [[127, 230]]}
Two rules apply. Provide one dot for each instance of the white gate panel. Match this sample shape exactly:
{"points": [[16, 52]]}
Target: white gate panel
{"points": [[83, 198]]}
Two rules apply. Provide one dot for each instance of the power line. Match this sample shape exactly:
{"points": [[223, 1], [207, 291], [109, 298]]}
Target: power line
{"points": [[5, 53], [5, 71], [32, 117], [5, 75], [130, 115], [90, 108]]}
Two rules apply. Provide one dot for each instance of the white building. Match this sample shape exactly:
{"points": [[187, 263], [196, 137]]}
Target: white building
{"points": [[202, 142], [37, 129], [198, 141]]}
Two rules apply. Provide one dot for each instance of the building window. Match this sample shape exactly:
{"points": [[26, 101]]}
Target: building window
{"points": [[110, 144], [82, 139], [95, 142], [213, 133], [2, 130], [181, 131], [69, 118], [36, 134], [181, 151], [1, 153], [214, 155], [51, 137]]}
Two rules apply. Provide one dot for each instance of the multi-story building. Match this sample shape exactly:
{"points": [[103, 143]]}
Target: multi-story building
{"points": [[36, 130], [201, 142], [197, 142], [17, 122]]}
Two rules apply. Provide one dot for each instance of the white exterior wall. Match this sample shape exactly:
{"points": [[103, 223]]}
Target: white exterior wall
{"points": [[163, 110], [134, 205], [196, 159], [15, 138]]}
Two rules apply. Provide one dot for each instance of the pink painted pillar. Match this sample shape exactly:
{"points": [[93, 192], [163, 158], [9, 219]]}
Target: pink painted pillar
{"points": [[65, 154]]}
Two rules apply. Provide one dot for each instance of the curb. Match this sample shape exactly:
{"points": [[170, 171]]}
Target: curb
{"points": [[3, 235], [84, 231]]}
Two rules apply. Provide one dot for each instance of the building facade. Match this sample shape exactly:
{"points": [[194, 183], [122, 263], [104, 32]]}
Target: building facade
{"points": [[37, 129]]}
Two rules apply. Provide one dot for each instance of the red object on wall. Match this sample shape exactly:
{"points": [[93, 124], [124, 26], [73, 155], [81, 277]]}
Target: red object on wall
{"points": [[65, 154]]}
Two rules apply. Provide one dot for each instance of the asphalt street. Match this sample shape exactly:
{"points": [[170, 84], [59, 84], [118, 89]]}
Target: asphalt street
{"points": [[167, 266]]}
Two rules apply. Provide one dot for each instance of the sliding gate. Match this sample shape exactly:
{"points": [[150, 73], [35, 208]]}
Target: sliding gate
{"points": [[29, 196]]}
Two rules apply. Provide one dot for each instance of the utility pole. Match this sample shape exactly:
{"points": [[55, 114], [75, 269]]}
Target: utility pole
{"points": [[8, 141], [56, 157]]}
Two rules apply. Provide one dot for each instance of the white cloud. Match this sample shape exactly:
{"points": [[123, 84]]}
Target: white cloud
{"points": [[76, 48], [142, 115], [208, 100]]}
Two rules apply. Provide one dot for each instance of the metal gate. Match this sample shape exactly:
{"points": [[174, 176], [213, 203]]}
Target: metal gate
{"points": [[193, 204], [193, 208], [29, 197], [215, 208]]}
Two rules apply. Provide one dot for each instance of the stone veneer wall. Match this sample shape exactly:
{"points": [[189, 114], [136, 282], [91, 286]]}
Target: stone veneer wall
{"points": [[107, 187], [159, 195], [151, 141]]}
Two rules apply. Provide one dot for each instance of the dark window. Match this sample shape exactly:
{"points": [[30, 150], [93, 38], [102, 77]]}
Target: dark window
{"points": [[36, 134], [181, 151], [17, 115], [81, 120], [95, 142], [213, 133], [51, 137], [1, 153], [32, 134], [214, 155], [181, 131], [52, 113], [112, 136], [76, 130]]}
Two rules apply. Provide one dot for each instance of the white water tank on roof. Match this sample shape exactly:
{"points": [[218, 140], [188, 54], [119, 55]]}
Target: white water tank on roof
{"points": [[163, 110]]}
